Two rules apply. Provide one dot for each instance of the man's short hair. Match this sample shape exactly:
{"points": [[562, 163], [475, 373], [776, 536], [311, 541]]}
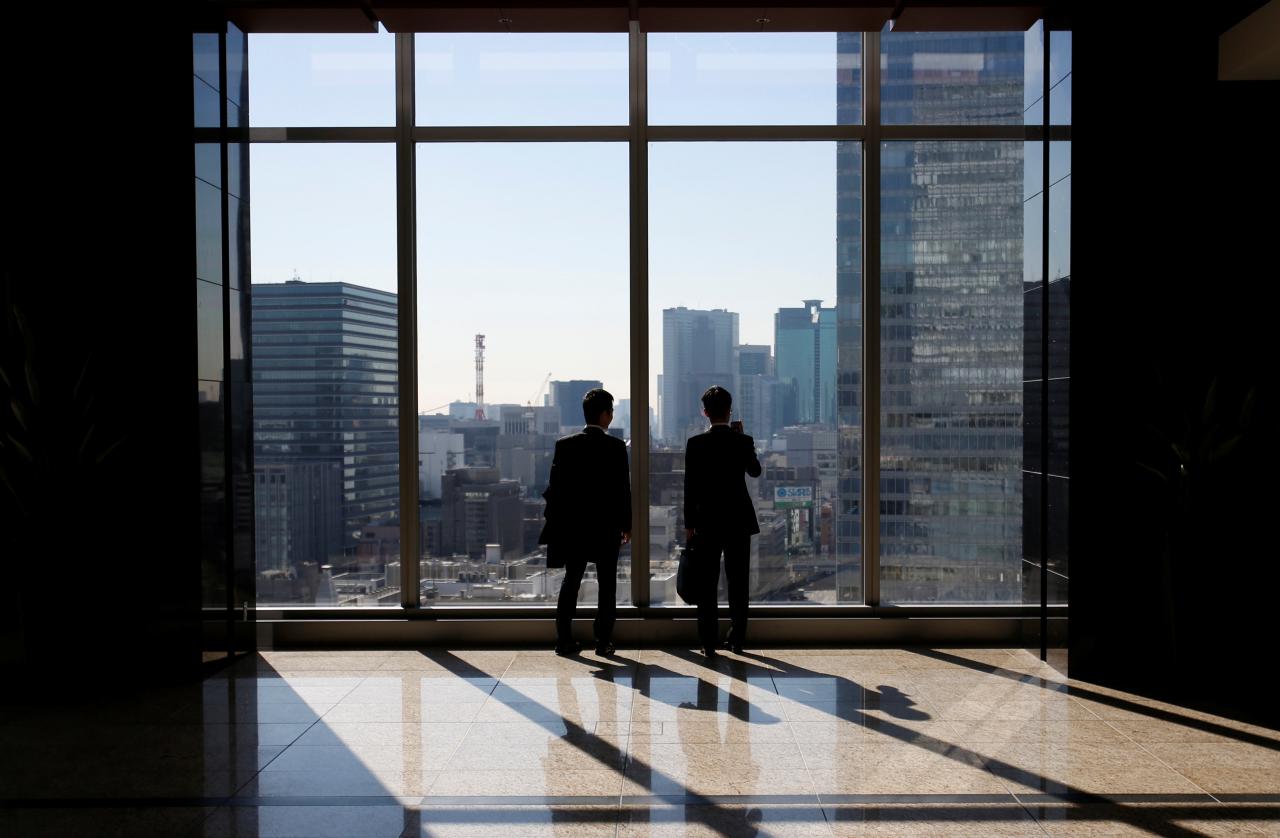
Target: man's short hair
{"points": [[594, 403], [717, 402]]}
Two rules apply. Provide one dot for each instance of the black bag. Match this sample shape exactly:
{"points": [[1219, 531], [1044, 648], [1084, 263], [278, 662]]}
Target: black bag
{"points": [[555, 551], [687, 576]]}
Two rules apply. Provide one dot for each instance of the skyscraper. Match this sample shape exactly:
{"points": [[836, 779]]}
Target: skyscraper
{"points": [[805, 342], [951, 323], [567, 397], [325, 392], [697, 352], [757, 393]]}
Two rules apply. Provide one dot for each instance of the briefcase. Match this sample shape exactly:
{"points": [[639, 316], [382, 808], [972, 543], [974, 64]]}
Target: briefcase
{"points": [[687, 576]]}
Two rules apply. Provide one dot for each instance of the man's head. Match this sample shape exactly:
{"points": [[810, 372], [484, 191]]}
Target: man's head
{"points": [[717, 404], [597, 407]]}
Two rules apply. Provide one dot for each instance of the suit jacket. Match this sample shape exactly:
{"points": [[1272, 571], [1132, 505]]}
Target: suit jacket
{"points": [[588, 496], [716, 500]]}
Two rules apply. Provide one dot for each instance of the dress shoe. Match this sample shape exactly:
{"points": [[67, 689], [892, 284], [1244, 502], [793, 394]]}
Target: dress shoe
{"points": [[605, 649], [732, 645], [710, 653], [570, 648]]}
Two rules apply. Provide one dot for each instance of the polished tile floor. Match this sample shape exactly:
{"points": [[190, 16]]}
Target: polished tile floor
{"points": [[646, 743]]}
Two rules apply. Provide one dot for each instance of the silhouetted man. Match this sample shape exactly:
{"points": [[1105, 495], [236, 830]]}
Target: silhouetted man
{"points": [[588, 516], [719, 516]]}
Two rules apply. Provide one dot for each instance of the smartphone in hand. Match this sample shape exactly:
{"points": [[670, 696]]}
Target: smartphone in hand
{"points": [[736, 424]]}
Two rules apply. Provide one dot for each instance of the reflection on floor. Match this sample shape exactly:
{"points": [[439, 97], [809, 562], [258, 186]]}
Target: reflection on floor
{"points": [[647, 742]]}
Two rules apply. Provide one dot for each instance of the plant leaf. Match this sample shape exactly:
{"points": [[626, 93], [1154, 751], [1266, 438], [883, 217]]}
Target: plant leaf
{"points": [[84, 443], [1210, 403], [1248, 410], [1226, 449], [1164, 478], [109, 450], [22, 449], [8, 484], [19, 413], [33, 384], [75, 391]]}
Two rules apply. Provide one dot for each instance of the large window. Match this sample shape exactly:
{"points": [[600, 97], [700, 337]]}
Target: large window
{"points": [[743, 294], [522, 290], [325, 382], [766, 211]]}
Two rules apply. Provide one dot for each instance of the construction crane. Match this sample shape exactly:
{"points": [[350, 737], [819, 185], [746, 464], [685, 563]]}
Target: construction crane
{"points": [[542, 387], [480, 377]]}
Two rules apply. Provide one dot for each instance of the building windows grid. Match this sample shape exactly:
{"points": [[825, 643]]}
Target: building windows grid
{"points": [[904, 360]]}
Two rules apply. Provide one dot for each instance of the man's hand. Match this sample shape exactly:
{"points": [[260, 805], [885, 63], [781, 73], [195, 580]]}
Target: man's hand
{"points": [[626, 536], [689, 534]]}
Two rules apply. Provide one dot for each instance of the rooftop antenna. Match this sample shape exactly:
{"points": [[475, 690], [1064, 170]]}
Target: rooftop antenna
{"points": [[480, 376]]}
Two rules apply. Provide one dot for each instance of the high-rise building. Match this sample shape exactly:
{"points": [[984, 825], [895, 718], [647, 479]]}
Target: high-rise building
{"points": [[757, 393], [325, 393], [951, 324], [697, 352], [805, 341], [479, 508], [298, 515], [567, 397]]}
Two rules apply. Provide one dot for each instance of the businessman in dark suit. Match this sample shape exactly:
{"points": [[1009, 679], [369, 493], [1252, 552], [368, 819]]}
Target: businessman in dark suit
{"points": [[588, 519], [719, 517]]}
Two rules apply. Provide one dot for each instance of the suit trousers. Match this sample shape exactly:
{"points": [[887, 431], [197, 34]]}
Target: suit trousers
{"points": [[737, 561], [606, 607]]}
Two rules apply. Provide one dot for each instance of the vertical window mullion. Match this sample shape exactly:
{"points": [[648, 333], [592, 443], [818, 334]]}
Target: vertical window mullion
{"points": [[638, 197], [407, 319], [870, 501]]}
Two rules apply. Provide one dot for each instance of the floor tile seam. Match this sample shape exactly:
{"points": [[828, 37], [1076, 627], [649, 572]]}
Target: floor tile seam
{"points": [[262, 768], [470, 725], [626, 753], [1091, 711], [808, 772], [1181, 774], [360, 680], [1044, 830]]}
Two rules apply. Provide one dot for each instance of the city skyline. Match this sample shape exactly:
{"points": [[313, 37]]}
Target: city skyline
{"points": [[754, 278]]}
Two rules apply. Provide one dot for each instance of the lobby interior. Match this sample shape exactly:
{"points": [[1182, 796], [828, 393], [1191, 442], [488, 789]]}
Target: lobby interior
{"points": [[153, 687]]}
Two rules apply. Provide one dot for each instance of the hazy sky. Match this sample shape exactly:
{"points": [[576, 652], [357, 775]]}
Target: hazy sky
{"points": [[527, 243]]}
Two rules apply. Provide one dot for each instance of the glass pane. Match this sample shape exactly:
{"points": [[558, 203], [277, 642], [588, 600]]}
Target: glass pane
{"points": [[793, 78], [238, 169], [1059, 426], [1059, 55], [1060, 328], [208, 232], [323, 331], [209, 163], [1033, 64], [1033, 245], [521, 79], [322, 80], [740, 276], [207, 108], [1060, 77], [1060, 229], [1032, 357], [1060, 103], [204, 51], [953, 78], [213, 474], [209, 330], [524, 246], [237, 52], [1059, 544], [952, 348], [237, 241]]}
